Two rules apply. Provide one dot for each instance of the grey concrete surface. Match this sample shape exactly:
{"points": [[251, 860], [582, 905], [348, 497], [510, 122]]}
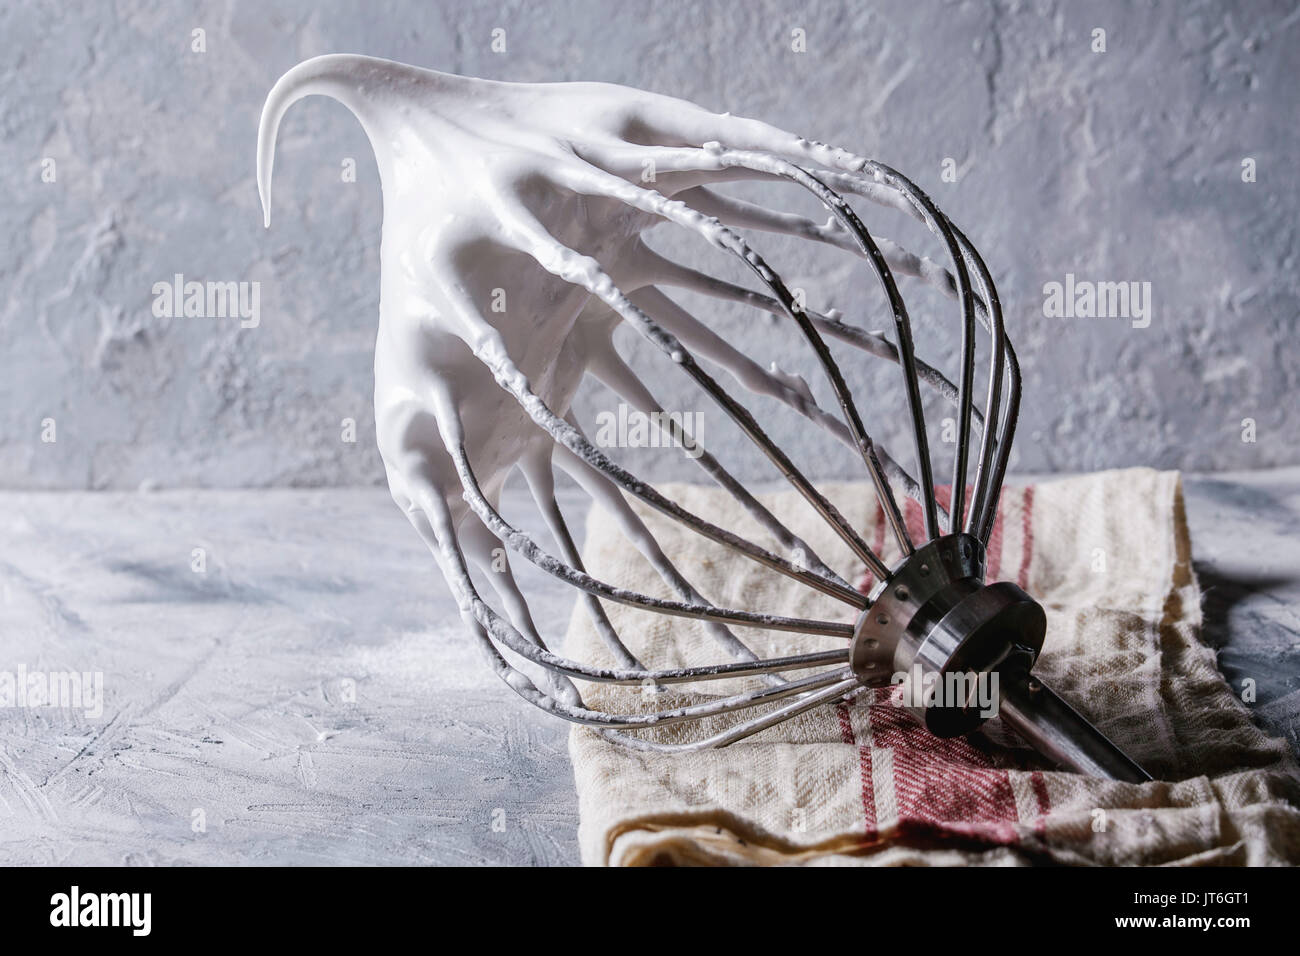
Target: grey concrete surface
{"points": [[1123, 165], [312, 694]]}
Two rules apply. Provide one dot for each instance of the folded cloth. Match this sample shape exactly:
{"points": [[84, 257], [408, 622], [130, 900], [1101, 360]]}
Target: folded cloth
{"points": [[861, 782]]}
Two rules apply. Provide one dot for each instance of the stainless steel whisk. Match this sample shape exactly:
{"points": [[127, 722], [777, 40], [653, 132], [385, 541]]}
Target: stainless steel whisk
{"points": [[473, 168]]}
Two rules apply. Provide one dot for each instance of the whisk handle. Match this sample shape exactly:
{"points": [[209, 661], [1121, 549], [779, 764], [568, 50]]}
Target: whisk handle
{"points": [[1058, 731]]}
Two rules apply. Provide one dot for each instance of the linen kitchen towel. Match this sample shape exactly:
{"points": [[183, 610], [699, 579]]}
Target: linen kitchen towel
{"points": [[861, 782]]}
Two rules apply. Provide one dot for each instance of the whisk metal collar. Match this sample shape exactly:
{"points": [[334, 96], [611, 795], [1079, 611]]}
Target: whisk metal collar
{"points": [[934, 619]]}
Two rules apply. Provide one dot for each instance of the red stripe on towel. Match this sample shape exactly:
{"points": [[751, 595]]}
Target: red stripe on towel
{"points": [[944, 788]]}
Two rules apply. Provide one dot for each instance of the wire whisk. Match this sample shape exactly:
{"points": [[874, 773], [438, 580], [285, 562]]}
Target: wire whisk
{"points": [[538, 194]]}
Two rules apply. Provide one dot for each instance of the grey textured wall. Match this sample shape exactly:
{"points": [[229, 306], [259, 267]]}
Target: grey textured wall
{"points": [[1122, 165]]}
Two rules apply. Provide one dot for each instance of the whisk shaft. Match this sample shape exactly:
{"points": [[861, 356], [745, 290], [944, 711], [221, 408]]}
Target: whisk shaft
{"points": [[1058, 731]]}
